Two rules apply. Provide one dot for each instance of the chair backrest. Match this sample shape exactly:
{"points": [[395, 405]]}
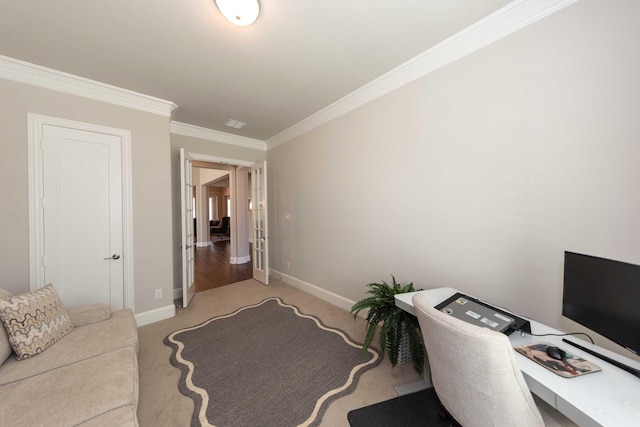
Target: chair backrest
{"points": [[474, 371], [222, 225]]}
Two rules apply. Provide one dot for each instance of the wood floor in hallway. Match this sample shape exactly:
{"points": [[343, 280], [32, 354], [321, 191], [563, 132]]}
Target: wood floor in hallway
{"points": [[212, 267]]}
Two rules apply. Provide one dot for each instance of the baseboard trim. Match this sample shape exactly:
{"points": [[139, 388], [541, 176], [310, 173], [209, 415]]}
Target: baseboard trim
{"points": [[203, 244], [177, 293], [156, 315], [323, 294], [240, 260]]}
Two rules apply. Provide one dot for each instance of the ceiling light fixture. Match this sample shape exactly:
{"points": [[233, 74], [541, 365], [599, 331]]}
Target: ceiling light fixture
{"points": [[239, 12]]}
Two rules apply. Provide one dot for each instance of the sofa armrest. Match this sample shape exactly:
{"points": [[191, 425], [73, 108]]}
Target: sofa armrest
{"points": [[89, 314]]}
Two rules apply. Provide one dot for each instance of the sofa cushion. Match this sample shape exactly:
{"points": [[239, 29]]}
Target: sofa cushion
{"points": [[82, 343], [75, 393], [34, 321], [5, 345], [89, 314]]}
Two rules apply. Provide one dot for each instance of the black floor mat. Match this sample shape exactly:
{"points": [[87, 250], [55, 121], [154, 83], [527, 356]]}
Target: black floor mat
{"points": [[416, 409]]}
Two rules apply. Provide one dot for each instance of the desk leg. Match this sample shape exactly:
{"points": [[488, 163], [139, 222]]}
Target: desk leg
{"points": [[415, 386]]}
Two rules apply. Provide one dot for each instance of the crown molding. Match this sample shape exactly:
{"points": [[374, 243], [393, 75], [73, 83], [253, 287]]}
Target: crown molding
{"points": [[506, 20], [217, 136], [37, 75]]}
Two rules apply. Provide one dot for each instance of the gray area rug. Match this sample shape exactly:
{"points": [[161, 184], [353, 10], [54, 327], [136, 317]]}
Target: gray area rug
{"points": [[265, 365]]}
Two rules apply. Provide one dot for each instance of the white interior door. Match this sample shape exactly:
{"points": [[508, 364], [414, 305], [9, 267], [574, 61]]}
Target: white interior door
{"points": [[82, 215], [260, 232], [188, 249]]}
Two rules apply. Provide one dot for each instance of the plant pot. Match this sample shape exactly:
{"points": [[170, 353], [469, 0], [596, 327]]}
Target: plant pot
{"points": [[404, 351], [381, 307]]}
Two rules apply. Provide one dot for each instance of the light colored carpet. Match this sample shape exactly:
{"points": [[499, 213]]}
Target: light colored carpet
{"points": [[162, 404]]}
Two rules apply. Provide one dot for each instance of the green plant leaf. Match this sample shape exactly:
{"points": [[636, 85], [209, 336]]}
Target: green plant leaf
{"points": [[382, 309]]}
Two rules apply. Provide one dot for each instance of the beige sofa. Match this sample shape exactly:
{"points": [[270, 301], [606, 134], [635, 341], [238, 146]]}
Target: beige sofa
{"points": [[88, 377]]}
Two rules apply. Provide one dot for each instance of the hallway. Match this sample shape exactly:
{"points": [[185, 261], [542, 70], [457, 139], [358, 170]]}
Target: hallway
{"points": [[212, 267]]}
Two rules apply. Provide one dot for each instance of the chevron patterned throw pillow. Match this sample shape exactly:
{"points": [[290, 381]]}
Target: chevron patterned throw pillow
{"points": [[34, 321]]}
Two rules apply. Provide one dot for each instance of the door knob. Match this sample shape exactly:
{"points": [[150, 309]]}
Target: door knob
{"points": [[114, 256]]}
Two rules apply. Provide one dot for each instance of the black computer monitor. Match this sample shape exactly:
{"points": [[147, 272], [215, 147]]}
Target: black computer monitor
{"points": [[604, 296]]}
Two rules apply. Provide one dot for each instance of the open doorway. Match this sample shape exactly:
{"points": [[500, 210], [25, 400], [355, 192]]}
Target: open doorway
{"points": [[221, 256]]}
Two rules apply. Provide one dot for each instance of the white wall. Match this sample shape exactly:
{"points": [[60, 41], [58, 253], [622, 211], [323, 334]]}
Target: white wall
{"points": [[151, 171], [478, 176], [208, 175]]}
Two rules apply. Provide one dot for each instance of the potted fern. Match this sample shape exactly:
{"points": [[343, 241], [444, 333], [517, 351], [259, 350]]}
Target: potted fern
{"points": [[397, 324]]}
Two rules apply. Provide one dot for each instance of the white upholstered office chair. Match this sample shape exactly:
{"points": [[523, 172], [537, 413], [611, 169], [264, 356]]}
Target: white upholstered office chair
{"points": [[474, 372]]}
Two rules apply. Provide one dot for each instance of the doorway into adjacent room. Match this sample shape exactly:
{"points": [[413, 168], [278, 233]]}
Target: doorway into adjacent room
{"points": [[213, 269], [214, 263], [247, 215]]}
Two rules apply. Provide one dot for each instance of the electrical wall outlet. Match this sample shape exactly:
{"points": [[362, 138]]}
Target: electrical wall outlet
{"points": [[158, 293]]}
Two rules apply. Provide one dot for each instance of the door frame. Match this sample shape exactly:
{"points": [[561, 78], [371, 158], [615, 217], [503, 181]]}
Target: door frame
{"points": [[260, 214], [187, 241], [35, 123]]}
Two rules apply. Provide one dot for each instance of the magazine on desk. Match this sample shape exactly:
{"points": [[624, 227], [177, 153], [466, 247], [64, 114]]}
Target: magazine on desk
{"points": [[571, 366]]}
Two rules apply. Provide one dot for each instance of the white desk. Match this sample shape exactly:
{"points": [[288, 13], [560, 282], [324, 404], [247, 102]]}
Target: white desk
{"points": [[607, 398]]}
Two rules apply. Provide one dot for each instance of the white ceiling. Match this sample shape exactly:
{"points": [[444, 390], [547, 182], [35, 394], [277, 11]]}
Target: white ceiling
{"points": [[297, 58]]}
